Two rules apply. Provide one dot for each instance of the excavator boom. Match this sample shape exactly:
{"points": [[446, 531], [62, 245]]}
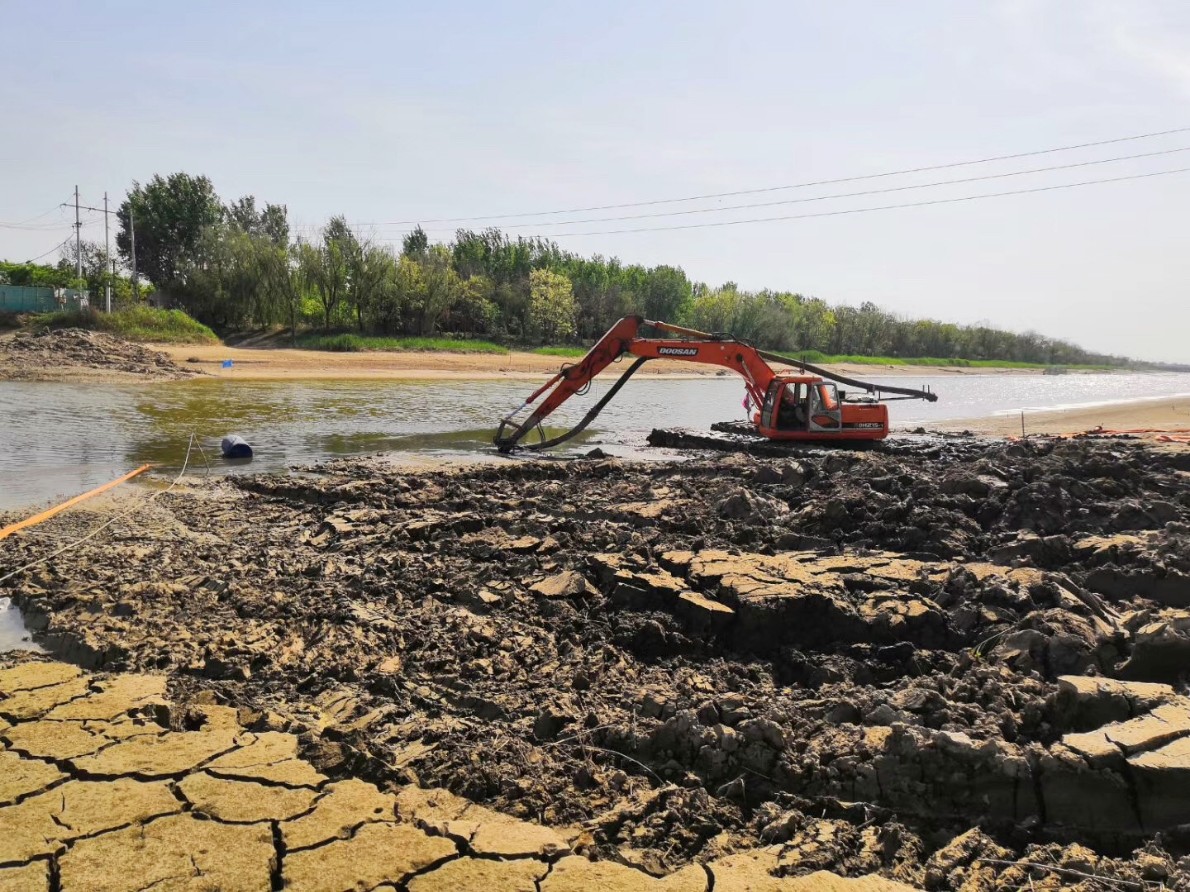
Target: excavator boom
{"points": [[763, 385]]}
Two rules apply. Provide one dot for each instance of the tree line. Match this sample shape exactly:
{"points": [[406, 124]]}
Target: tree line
{"points": [[236, 265]]}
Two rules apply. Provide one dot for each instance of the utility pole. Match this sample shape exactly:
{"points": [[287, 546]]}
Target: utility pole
{"points": [[132, 238], [107, 287], [78, 236]]}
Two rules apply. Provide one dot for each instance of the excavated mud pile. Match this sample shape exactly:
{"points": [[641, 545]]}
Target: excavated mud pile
{"points": [[958, 670], [33, 356]]}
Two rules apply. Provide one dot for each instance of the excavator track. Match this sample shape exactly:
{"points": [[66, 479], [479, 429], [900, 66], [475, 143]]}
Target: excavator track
{"points": [[741, 437]]}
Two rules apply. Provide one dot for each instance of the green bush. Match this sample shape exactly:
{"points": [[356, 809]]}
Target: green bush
{"points": [[343, 343], [352, 343]]}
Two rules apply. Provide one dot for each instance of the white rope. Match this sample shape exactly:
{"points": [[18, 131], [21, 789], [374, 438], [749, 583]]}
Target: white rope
{"points": [[103, 526]]}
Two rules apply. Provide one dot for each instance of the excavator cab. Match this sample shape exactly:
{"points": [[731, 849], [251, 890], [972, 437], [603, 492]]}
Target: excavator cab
{"points": [[801, 404], [784, 406], [826, 413]]}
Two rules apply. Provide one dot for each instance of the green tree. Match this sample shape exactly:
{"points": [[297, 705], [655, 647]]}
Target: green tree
{"points": [[330, 280], [34, 275], [373, 269], [474, 311], [170, 215], [231, 281], [442, 287], [332, 277], [96, 271], [288, 271], [551, 306], [667, 294], [415, 244], [309, 260], [271, 223]]}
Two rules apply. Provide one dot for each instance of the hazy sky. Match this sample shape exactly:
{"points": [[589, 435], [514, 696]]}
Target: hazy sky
{"points": [[389, 112]]}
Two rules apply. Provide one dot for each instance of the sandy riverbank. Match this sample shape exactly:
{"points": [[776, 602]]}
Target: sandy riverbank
{"points": [[1172, 413], [259, 364]]}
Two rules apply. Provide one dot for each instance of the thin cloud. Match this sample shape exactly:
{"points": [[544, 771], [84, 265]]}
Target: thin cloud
{"points": [[1134, 31]]}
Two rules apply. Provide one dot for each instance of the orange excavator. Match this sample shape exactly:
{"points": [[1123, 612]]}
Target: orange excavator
{"points": [[801, 407]]}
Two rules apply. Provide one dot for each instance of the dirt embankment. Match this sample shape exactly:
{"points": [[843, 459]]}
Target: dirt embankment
{"points": [[959, 667], [74, 354]]}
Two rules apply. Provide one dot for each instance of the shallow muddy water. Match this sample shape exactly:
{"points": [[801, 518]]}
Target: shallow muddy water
{"points": [[59, 439], [13, 634]]}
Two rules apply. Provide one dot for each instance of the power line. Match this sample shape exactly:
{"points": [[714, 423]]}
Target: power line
{"points": [[886, 207], [828, 182], [33, 227], [22, 223], [784, 201], [61, 244], [43, 227]]}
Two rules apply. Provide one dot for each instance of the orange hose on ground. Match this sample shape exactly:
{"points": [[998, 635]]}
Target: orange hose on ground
{"points": [[58, 509]]}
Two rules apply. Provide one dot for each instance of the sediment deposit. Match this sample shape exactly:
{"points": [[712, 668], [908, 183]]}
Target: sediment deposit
{"points": [[954, 667], [77, 354]]}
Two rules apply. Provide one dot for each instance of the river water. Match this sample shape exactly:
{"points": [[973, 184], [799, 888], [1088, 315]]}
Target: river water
{"points": [[59, 439]]}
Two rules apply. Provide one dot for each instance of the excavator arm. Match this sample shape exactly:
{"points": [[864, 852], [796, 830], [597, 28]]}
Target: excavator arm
{"points": [[689, 345], [569, 381], [623, 339]]}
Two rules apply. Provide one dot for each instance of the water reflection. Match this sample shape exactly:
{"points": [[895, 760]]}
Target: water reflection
{"points": [[58, 439]]}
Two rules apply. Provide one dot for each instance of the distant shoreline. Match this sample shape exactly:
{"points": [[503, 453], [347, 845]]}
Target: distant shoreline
{"points": [[279, 363], [282, 363]]}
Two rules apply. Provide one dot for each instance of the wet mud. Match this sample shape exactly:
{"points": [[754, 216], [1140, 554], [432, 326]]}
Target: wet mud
{"points": [[960, 667]]}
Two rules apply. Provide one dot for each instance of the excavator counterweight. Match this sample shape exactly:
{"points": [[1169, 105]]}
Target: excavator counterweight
{"points": [[801, 405]]}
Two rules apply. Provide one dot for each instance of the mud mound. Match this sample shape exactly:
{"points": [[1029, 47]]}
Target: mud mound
{"points": [[962, 669], [68, 352]]}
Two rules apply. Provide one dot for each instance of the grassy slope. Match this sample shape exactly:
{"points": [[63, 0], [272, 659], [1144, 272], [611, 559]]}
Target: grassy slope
{"points": [[134, 324]]}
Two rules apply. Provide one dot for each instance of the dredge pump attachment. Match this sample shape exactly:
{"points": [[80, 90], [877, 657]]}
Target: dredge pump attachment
{"points": [[803, 405]]}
